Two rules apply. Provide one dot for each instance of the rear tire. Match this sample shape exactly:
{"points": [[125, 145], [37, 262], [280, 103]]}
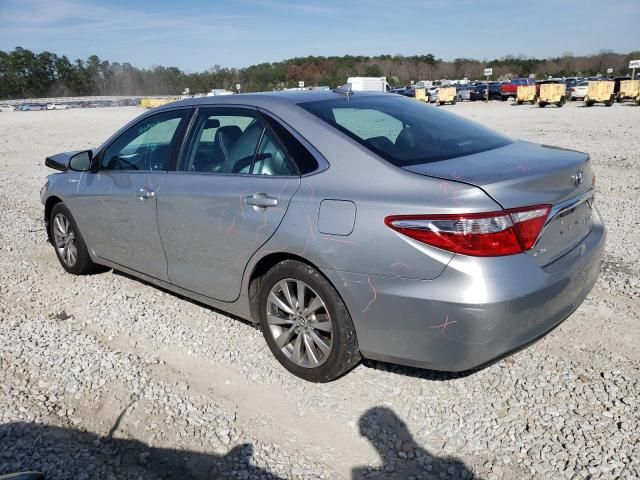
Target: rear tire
{"points": [[542, 104], [319, 354], [519, 102], [609, 102], [68, 243]]}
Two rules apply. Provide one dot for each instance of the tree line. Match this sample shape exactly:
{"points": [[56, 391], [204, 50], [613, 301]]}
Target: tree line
{"points": [[25, 74]]}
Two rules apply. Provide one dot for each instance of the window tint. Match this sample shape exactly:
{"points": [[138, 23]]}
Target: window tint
{"points": [[146, 146], [271, 159], [233, 140], [368, 123], [403, 131], [302, 157], [213, 136]]}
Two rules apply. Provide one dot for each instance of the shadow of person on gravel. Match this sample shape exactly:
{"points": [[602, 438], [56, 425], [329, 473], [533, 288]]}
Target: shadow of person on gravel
{"points": [[66, 453], [402, 457]]}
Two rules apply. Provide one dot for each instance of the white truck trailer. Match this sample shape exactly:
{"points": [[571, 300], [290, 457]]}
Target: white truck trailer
{"points": [[369, 84]]}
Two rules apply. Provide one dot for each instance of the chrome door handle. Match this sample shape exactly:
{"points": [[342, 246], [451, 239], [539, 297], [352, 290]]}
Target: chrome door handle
{"points": [[261, 200], [145, 194]]}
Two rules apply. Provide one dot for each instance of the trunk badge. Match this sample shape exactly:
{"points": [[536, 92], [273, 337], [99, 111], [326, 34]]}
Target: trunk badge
{"points": [[578, 178]]}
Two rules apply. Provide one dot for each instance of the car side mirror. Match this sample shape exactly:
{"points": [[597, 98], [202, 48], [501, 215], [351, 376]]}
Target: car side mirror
{"points": [[81, 162]]}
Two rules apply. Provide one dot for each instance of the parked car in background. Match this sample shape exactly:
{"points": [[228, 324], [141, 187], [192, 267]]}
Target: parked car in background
{"points": [[463, 92], [58, 106], [31, 107], [579, 91], [365, 242], [432, 93], [469, 92], [7, 108], [571, 82], [494, 90], [510, 89], [409, 92], [404, 91]]}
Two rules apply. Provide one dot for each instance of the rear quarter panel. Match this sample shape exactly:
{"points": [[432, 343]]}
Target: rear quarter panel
{"points": [[377, 189]]}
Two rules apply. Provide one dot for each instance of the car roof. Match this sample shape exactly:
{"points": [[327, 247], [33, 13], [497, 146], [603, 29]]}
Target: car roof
{"points": [[266, 99]]}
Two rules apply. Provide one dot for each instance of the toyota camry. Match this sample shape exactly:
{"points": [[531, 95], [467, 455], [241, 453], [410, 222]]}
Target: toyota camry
{"points": [[348, 225]]}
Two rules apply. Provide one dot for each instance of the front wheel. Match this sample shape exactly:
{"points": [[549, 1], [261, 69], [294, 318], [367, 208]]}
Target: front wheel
{"points": [[306, 324], [68, 242]]}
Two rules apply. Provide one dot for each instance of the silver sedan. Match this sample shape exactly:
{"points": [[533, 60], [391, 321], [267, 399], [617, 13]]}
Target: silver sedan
{"points": [[347, 225]]}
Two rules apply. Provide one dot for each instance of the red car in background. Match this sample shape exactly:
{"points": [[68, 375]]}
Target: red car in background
{"points": [[510, 89]]}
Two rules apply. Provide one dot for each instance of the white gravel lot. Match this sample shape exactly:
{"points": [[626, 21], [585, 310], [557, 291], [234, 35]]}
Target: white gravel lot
{"points": [[107, 377]]}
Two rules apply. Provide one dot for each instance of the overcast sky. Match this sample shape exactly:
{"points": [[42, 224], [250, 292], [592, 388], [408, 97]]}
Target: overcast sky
{"points": [[194, 35]]}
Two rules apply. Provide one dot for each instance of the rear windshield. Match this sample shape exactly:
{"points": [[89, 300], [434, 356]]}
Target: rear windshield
{"points": [[403, 131]]}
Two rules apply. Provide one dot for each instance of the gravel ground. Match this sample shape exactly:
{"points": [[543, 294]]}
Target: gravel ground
{"points": [[108, 377]]}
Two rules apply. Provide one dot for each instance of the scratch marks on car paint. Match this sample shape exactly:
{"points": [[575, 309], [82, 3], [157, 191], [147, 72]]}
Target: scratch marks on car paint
{"points": [[444, 325], [375, 295], [310, 236], [455, 176], [396, 265], [231, 226], [446, 188], [521, 167], [341, 240], [313, 191], [220, 221], [284, 185]]}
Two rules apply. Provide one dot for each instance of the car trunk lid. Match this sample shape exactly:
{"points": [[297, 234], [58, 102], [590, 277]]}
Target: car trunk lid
{"points": [[523, 174]]}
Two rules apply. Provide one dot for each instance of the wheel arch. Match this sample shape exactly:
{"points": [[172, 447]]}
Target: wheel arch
{"points": [[261, 267], [51, 202]]}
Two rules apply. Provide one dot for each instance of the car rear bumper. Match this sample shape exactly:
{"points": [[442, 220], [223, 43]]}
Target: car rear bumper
{"points": [[477, 311]]}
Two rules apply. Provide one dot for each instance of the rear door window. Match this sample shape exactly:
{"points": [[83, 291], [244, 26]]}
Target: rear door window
{"points": [[234, 141], [214, 133]]}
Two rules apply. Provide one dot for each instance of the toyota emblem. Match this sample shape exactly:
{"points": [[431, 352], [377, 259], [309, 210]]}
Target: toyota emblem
{"points": [[578, 178]]}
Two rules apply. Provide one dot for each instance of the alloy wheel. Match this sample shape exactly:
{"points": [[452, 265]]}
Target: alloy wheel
{"points": [[65, 240], [299, 323]]}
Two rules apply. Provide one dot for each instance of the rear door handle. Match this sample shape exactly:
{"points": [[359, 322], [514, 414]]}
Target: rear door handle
{"points": [[145, 194], [261, 200]]}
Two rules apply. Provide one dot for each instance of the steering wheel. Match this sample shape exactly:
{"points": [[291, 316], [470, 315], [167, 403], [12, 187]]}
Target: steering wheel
{"points": [[127, 164]]}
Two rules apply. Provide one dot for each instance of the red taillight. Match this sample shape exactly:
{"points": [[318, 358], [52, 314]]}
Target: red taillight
{"points": [[489, 234]]}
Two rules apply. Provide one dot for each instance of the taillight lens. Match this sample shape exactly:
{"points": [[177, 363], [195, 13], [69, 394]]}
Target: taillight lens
{"points": [[489, 234]]}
